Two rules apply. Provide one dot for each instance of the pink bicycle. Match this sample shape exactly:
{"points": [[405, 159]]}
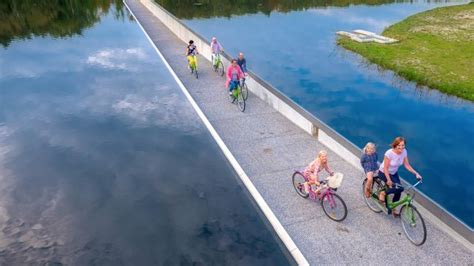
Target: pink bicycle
{"points": [[333, 205]]}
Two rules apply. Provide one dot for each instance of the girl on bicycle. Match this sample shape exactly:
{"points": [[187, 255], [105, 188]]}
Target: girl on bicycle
{"points": [[191, 52], [369, 163], [216, 49], [393, 159], [313, 169], [234, 74]]}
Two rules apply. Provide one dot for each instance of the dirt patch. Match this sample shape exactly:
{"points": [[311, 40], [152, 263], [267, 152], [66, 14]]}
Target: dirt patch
{"points": [[467, 15], [435, 29], [342, 229], [431, 19], [451, 27]]}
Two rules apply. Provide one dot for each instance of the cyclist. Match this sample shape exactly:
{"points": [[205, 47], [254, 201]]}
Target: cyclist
{"points": [[216, 49], [313, 169], [191, 52], [234, 74], [242, 63], [388, 171]]}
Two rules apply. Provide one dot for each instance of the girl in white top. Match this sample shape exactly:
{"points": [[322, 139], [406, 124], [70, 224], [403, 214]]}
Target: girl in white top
{"points": [[388, 171]]}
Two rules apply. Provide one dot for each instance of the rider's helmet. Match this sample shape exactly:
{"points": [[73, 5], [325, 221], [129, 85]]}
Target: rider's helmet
{"points": [[191, 42]]}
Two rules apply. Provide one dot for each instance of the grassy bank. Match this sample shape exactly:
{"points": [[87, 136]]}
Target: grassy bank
{"points": [[436, 49]]}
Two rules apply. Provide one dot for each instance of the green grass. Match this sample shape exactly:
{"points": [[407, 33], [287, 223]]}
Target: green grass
{"points": [[435, 48]]}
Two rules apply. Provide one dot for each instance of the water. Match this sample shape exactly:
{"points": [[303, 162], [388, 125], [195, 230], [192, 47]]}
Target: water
{"points": [[293, 46], [102, 159]]}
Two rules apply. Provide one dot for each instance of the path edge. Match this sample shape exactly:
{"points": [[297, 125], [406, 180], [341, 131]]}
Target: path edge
{"points": [[277, 226]]}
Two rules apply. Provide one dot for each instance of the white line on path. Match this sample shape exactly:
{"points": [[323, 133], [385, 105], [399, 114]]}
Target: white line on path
{"points": [[277, 226]]}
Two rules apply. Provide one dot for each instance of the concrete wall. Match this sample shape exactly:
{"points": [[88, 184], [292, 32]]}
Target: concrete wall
{"points": [[309, 123]]}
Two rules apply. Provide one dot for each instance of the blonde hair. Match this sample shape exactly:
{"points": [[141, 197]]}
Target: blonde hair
{"points": [[321, 153], [368, 145]]}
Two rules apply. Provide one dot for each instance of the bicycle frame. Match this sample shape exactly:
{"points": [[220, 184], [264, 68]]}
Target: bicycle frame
{"points": [[325, 190], [217, 59], [405, 200], [236, 91]]}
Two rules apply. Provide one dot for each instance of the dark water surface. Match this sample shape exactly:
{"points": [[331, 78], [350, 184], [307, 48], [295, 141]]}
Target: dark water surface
{"points": [[292, 44], [102, 159]]}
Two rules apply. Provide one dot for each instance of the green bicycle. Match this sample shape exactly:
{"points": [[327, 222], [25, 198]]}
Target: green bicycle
{"points": [[412, 222], [218, 65], [237, 96]]}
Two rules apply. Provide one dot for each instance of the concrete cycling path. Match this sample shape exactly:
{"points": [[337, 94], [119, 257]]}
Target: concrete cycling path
{"points": [[269, 147]]}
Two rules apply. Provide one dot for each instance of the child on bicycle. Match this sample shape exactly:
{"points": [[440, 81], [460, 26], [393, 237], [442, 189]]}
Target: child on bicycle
{"points": [[313, 169], [216, 49], [234, 74], [191, 52], [368, 160]]}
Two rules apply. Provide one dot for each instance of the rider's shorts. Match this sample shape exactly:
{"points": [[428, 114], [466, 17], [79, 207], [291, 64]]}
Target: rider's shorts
{"points": [[233, 84], [191, 60]]}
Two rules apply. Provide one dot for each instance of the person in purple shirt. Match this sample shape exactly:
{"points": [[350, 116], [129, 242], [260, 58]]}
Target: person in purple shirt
{"points": [[369, 163], [216, 50]]}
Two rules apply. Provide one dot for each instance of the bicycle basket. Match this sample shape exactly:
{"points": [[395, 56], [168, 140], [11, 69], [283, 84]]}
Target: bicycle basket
{"points": [[335, 180]]}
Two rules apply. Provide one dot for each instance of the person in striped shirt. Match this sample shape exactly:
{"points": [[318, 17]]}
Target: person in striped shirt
{"points": [[369, 163]]}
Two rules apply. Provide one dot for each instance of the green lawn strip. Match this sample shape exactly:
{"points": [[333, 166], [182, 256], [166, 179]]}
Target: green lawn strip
{"points": [[436, 49]]}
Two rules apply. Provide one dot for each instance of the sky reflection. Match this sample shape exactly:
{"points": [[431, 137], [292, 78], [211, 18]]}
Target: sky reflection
{"points": [[103, 161]]}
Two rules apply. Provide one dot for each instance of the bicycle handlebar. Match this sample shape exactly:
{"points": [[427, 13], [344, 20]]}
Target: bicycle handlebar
{"points": [[416, 184], [410, 187]]}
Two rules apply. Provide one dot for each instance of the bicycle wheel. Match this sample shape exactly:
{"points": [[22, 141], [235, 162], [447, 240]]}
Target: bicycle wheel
{"points": [[334, 207], [372, 202], [220, 68], [245, 91], [240, 101], [231, 98], [413, 224], [298, 181]]}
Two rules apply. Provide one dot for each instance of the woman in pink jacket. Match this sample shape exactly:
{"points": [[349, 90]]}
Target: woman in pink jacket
{"points": [[234, 74]]}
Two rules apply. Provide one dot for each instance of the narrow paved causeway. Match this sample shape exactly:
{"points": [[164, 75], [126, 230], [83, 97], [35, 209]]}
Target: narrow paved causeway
{"points": [[269, 147]]}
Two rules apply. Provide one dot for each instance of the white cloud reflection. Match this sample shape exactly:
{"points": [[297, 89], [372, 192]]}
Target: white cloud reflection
{"points": [[352, 17], [115, 58]]}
